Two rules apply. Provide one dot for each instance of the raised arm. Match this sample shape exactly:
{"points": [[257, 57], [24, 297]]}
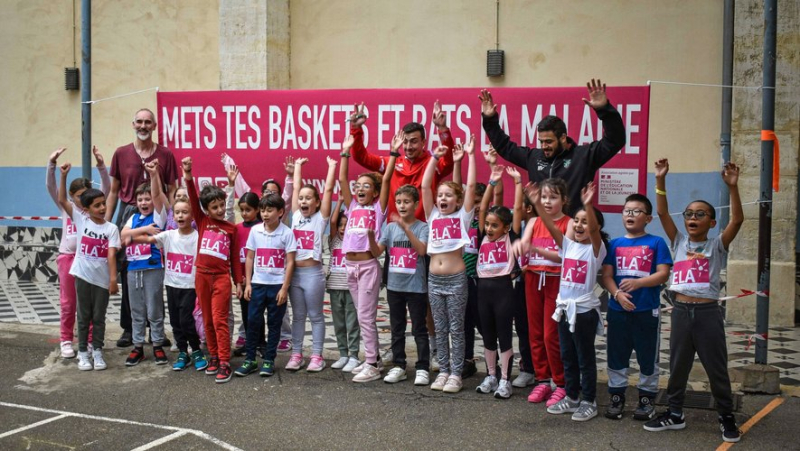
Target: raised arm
{"points": [[50, 176], [506, 148], [344, 184], [386, 183], [111, 199], [160, 201], [662, 206], [360, 153], [105, 180], [446, 163], [297, 182], [458, 155], [327, 194], [497, 174], [337, 210], [730, 175], [62, 190], [519, 211], [587, 197], [288, 182], [427, 180], [469, 193], [613, 129], [194, 201]]}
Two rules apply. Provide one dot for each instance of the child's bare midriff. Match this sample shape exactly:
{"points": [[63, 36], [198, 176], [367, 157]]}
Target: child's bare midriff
{"points": [[447, 263]]}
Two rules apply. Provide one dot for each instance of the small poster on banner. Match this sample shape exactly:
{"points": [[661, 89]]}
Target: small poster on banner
{"points": [[615, 184]]}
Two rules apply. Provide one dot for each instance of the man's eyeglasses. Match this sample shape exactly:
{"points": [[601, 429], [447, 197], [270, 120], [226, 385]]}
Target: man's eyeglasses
{"points": [[699, 214], [632, 212]]}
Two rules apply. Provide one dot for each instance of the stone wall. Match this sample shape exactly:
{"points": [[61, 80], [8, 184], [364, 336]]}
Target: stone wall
{"points": [[746, 150]]}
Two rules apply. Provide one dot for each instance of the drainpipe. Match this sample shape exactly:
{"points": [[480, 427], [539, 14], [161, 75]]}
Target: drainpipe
{"points": [[86, 87], [727, 104]]}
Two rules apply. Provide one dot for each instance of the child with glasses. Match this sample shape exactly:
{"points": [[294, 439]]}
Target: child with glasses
{"points": [[636, 266], [697, 321]]}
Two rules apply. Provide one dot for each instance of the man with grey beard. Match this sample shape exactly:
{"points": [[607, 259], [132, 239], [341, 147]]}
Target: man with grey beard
{"points": [[127, 173]]}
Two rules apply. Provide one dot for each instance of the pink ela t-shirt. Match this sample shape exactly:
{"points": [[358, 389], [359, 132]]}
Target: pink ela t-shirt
{"points": [[495, 258], [360, 219]]}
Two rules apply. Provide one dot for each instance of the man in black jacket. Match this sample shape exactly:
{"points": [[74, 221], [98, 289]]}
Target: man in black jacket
{"points": [[560, 156]]}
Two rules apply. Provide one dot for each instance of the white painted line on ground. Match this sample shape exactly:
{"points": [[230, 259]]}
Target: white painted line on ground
{"points": [[62, 413], [31, 426], [160, 441]]}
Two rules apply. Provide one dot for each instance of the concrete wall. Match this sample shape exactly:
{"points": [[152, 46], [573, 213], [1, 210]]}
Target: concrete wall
{"points": [[135, 45], [748, 66]]}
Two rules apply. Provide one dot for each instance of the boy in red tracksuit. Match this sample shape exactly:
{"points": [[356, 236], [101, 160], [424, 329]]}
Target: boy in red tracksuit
{"points": [[213, 270]]}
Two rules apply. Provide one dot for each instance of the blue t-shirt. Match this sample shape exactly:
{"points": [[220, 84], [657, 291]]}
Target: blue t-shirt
{"points": [[634, 258]]}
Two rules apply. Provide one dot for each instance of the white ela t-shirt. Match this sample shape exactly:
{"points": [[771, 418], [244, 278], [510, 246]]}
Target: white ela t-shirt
{"points": [[179, 252], [91, 254], [270, 248]]}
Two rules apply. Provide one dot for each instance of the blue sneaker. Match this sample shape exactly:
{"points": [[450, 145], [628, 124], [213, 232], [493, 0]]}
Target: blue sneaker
{"points": [[200, 362], [182, 362], [248, 367], [267, 368]]}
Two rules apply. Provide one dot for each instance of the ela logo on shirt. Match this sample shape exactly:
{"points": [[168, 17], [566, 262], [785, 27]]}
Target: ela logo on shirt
{"points": [[634, 261], [446, 229], [574, 271]]}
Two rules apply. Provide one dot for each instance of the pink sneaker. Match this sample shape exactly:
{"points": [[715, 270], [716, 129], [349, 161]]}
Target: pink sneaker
{"points": [[316, 365], [240, 342], [540, 393], [557, 396], [295, 362], [285, 346]]}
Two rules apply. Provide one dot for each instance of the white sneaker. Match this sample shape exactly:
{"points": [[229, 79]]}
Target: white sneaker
{"points": [[83, 361], [453, 384], [488, 385], [339, 364], [368, 374], [352, 364], [441, 379], [524, 380], [99, 363], [395, 375], [504, 390], [423, 378], [67, 352]]}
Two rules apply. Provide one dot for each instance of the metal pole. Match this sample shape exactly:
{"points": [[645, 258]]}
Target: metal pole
{"points": [[86, 87], [727, 103], [765, 186]]}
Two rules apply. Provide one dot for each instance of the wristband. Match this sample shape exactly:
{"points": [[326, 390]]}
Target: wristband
{"points": [[394, 154], [615, 295], [493, 182], [661, 192], [344, 154]]}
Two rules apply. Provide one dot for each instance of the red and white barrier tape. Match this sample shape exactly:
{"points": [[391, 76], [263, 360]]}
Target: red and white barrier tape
{"points": [[751, 338], [744, 293], [30, 218]]}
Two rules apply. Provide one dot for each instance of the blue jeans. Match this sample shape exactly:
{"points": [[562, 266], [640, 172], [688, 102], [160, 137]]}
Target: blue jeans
{"points": [[579, 356], [264, 297]]}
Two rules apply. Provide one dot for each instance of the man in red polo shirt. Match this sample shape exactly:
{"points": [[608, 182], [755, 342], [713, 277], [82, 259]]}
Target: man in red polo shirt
{"points": [[410, 167], [127, 173]]}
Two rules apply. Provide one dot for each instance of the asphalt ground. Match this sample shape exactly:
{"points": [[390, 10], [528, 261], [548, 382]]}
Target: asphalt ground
{"points": [[152, 407]]}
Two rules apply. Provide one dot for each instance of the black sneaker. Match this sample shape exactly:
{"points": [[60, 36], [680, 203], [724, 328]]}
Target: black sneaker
{"points": [[224, 374], [160, 355], [126, 340], [617, 406], [645, 410], [469, 369], [666, 421], [730, 432], [136, 356]]}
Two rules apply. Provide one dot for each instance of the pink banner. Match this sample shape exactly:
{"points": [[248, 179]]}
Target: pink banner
{"points": [[258, 129]]}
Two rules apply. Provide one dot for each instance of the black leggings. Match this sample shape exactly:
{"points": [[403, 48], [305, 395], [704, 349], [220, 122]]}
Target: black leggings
{"points": [[496, 311]]}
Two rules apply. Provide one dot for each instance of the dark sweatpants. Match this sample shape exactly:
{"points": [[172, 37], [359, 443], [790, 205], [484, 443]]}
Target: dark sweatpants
{"points": [[698, 328], [417, 305], [180, 302], [92, 306], [579, 356]]}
